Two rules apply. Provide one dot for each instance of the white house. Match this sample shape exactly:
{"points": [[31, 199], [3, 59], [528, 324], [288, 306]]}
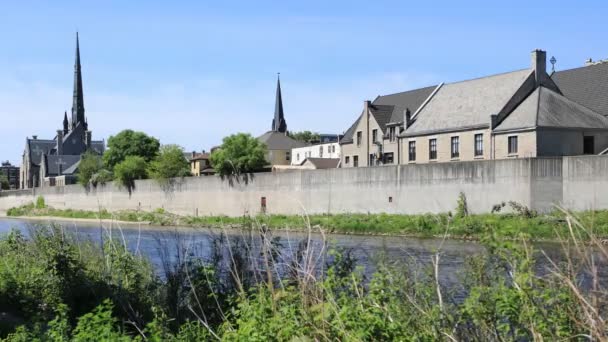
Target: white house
{"points": [[326, 150]]}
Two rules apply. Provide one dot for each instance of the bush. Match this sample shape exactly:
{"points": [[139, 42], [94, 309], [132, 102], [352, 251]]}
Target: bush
{"points": [[40, 204]]}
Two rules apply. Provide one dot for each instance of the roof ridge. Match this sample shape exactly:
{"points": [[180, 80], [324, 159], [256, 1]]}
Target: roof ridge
{"points": [[488, 76], [407, 91]]}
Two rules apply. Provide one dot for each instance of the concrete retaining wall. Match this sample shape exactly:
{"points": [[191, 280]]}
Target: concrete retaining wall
{"points": [[576, 182]]}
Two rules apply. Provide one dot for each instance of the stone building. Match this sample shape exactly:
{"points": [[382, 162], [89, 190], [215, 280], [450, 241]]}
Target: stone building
{"points": [[524, 113], [373, 138], [11, 173], [51, 162], [277, 141]]}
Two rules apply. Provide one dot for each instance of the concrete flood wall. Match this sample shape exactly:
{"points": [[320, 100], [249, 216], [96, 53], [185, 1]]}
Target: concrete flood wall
{"points": [[539, 183]]}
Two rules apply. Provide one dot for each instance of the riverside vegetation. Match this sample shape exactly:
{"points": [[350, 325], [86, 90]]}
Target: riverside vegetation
{"points": [[519, 221], [56, 288]]}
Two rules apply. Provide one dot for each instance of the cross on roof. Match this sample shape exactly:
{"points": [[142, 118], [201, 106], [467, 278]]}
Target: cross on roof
{"points": [[60, 162]]}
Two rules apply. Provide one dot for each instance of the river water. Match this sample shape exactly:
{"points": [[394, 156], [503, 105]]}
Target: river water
{"points": [[160, 244]]}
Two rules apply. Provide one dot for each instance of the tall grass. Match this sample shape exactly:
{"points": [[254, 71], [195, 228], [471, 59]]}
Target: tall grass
{"points": [[252, 287]]}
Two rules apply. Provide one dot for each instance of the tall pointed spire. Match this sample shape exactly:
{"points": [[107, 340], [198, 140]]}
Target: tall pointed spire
{"points": [[278, 123], [78, 99]]}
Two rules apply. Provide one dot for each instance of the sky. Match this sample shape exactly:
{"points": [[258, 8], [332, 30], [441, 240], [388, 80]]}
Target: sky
{"points": [[192, 72]]}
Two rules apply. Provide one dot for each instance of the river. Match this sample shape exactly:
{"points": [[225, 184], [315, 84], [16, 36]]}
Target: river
{"points": [[160, 244]]}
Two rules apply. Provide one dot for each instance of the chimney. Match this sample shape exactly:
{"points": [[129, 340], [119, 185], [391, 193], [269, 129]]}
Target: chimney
{"points": [[193, 154], [366, 105], [539, 65], [59, 142], [407, 118], [87, 137], [34, 137]]}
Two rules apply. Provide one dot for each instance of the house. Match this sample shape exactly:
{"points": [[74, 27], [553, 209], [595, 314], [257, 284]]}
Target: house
{"points": [[11, 173], [524, 113], [320, 150], [277, 141], [200, 164], [50, 162], [518, 114], [373, 138]]}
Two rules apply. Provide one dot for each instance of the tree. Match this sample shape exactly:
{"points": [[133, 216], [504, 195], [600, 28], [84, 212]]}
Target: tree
{"points": [[90, 164], [239, 153], [4, 184], [305, 136], [130, 170], [170, 163], [130, 143]]}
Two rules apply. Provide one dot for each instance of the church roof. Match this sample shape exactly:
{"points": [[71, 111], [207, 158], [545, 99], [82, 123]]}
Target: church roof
{"points": [[67, 164], [38, 147]]}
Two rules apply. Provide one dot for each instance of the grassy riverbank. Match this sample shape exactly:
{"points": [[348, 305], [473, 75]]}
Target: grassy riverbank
{"points": [[513, 225], [56, 287]]}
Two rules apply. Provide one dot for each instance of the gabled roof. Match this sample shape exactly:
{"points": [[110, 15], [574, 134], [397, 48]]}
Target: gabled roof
{"points": [[38, 147], [467, 104], [587, 86], [200, 156], [279, 141], [412, 99], [390, 109], [546, 108], [322, 163], [67, 163]]}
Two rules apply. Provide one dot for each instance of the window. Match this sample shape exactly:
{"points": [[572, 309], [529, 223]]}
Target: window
{"points": [[478, 145], [297, 157], [333, 149], [320, 151], [411, 147], [512, 144], [432, 149], [388, 158], [374, 135], [589, 144], [359, 138], [455, 143], [288, 155], [391, 133], [372, 159], [346, 160], [328, 149], [356, 161]]}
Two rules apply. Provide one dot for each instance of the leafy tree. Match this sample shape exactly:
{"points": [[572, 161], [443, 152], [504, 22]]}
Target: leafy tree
{"points": [[170, 163], [305, 136], [239, 153], [130, 170], [4, 184], [90, 164], [130, 143]]}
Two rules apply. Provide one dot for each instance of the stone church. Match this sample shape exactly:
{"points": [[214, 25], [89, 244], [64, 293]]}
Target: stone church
{"points": [[54, 162]]}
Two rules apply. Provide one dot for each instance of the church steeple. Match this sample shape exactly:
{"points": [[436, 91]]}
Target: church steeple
{"points": [[278, 123], [66, 124], [78, 99]]}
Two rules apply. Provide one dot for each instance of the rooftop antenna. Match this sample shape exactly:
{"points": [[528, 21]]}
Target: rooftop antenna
{"points": [[553, 60]]}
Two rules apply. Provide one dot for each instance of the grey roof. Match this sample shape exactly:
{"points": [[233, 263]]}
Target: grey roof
{"points": [[279, 141], [546, 108], [66, 162], [390, 108], [587, 86], [38, 147], [467, 104], [412, 99], [98, 146], [72, 169], [323, 163]]}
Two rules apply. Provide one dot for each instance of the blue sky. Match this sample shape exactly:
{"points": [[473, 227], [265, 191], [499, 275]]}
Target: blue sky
{"points": [[191, 72]]}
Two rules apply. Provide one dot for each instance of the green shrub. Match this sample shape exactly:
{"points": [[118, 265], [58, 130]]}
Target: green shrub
{"points": [[40, 204]]}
